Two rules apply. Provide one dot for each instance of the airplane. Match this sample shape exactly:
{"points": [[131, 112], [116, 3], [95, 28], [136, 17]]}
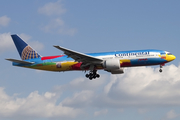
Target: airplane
{"points": [[113, 62]]}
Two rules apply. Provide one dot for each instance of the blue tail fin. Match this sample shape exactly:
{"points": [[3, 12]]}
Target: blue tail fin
{"points": [[25, 51]]}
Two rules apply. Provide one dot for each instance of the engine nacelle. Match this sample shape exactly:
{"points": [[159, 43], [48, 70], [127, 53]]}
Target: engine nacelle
{"points": [[113, 66], [118, 71]]}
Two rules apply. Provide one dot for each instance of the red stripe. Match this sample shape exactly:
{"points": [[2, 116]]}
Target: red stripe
{"points": [[125, 64], [163, 57], [50, 57], [76, 66]]}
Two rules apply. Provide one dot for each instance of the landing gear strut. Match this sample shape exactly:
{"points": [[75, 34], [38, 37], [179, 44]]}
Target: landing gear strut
{"points": [[92, 75], [160, 70]]}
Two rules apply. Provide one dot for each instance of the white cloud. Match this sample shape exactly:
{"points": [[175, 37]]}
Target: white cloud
{"points": [[83, 90], [82, 84], [80, 99], [54, 24], [25, 37], [142, 87], [34, 44], [6, 42], [139, 88], [52, 8], [101, 112], [109, 85], [142, 110], [85, 84], [4, 21], [35, 105], [171, 115], [57, 26]]}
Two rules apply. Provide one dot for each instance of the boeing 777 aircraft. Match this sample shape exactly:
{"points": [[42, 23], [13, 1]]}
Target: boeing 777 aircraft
{"points": [[113, 62]]}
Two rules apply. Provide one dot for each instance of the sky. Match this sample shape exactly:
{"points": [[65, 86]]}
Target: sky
{"points": [[141, 93]]}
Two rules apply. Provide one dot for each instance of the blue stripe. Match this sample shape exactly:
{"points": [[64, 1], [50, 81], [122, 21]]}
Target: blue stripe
{"points": [[133, 62], [122, 52], [149, 61]]}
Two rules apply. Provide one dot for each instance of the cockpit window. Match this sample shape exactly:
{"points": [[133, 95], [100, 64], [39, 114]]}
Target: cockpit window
{"points": [[169, 54]]}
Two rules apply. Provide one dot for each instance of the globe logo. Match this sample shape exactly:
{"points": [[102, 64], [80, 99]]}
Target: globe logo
{"points": [[28, 53]]}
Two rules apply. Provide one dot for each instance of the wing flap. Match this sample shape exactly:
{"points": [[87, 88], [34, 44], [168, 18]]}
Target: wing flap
{"points": [[20, 61], [77, 56]]}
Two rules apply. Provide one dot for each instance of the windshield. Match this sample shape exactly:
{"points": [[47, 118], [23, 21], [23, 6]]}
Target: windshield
{"points": [[169, 54]]}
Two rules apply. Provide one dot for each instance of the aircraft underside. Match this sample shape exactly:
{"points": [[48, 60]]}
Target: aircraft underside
{"points": [[71, 66]]}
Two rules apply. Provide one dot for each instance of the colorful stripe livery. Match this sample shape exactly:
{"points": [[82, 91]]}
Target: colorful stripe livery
{"points": [[113, 62], [63, 63]]}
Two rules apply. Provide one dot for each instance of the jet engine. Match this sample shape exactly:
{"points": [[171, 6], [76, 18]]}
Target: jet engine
{"points": [[113, 66]]}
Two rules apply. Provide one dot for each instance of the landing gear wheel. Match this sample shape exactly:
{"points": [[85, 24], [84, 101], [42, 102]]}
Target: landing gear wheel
{"points": [[87, 75], [92, 75], [97, 75], [160, 70]]}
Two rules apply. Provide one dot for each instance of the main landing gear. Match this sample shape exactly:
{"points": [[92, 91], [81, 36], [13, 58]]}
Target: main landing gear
{"points": [[160, 70], [92, 75]]}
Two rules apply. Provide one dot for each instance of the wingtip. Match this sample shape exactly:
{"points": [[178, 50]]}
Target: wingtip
{"points": [[55, 46]]}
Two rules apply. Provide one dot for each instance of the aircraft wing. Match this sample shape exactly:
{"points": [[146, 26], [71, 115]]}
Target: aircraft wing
{"points": [[20, 61], [80, 57]]}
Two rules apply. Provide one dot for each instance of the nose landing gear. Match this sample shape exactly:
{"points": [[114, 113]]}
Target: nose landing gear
{"points": [[92, 75], [160, 70]]}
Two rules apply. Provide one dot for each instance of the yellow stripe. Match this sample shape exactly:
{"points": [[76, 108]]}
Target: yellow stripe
{"points": [[65, 66], [125, 60]]}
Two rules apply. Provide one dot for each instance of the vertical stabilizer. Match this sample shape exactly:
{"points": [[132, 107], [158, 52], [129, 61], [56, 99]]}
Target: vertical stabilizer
{"points": [[25, 51]]}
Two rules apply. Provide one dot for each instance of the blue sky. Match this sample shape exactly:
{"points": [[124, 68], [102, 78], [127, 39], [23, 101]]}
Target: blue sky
{"points": [[90, 26]]}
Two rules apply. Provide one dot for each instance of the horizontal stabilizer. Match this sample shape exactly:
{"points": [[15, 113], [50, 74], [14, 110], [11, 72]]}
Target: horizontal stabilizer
{"points": [[20, 61]]}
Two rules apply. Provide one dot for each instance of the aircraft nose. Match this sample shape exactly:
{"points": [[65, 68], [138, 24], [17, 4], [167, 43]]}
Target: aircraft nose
{"points": [[171, 57]]}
